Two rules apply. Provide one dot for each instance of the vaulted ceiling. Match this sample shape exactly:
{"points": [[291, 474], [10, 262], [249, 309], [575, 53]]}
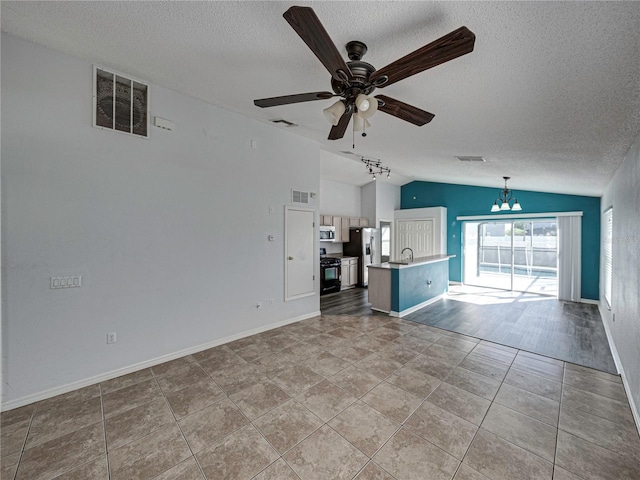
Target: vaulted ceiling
{"points": [[550, 95]]}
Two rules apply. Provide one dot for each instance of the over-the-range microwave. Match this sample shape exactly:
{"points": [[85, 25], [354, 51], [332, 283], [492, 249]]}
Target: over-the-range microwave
{"points": [[327, 233]]}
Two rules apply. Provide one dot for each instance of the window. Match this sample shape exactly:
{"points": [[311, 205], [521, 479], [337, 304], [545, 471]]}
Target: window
{"points": [[607, 254]]}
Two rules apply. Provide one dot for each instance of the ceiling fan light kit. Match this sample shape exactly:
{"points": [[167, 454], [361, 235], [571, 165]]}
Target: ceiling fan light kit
{"points": [[355, 81], [334, 112], [502, 203]]}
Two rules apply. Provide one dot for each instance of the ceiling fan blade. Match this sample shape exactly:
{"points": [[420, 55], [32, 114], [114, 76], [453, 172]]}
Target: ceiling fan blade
{"points": [[297, 98], [453, 45], [306, 24], [337, 132], [404, 111]]}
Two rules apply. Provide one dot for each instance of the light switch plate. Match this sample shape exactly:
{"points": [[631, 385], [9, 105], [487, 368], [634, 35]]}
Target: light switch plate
{"points": [[66, 282]]}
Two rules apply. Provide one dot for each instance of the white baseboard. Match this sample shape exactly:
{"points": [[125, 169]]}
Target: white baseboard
{"points": [[52, 392], [590, 301], [616, 358], [415, 308]]}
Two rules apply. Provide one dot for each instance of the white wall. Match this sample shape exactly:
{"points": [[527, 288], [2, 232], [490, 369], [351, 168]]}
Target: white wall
{"points": [[387, 200], [368, 201], [623, 194], [169, 234], [338, 198]]}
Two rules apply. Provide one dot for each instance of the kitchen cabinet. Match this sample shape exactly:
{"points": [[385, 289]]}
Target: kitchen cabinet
{"points": [[345, 229], [326, 220], [342, 225], [349, 272], [337, 222]]}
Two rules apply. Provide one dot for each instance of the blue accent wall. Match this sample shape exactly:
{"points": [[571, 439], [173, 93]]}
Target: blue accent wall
{"points": [[409, 285], [462, 200]]}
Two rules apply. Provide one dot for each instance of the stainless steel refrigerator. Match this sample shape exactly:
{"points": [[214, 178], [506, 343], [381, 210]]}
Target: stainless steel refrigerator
{"points": [[364, 243]]}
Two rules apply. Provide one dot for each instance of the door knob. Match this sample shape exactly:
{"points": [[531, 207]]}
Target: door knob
{"points": [[290, 258]]}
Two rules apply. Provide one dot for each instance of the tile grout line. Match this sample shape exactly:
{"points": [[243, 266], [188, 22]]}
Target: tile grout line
{"points": [[483, 418], [104, 429], [164, 396], [24, 442]]}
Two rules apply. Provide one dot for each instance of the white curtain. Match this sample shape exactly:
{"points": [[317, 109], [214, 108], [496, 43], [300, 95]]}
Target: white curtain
{"points": [[569, 258]]}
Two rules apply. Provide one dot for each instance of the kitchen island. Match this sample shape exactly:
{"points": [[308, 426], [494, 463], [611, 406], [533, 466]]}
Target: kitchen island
{"points": [[400, 288]]}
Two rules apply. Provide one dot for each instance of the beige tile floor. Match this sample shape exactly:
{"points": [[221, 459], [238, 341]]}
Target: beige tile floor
{"points": [[335, 397]]}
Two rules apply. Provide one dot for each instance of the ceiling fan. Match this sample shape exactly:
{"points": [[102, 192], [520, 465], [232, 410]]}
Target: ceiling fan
{"points": [[355, 80]]}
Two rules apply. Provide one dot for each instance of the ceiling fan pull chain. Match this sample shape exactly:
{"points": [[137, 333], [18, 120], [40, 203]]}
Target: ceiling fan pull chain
{"points": [[353, 136]]}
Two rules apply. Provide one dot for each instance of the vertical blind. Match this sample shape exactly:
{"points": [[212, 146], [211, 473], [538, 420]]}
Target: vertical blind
{"points": [[608, 254], [569, 258]]}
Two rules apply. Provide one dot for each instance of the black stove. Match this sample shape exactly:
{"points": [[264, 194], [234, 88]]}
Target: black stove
{"points": [[330, 273]]}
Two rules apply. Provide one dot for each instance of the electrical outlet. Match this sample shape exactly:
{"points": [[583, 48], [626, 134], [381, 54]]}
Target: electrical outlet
{"points": [[111, 338], [271, 301]]}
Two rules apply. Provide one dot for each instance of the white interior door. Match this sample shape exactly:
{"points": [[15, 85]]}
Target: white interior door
{"points": [[299, 253], [417, 235]]}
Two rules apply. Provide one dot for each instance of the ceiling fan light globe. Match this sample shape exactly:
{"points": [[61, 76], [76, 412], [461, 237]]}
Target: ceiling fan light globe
{"points": [[372, 108], [334, 112], [358, 122], [363, 103]]}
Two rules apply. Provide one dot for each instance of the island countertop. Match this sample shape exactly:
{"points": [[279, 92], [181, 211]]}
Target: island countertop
{"points": [[394, 265]]}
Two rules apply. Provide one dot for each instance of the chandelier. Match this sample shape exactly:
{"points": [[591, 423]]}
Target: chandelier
{"points": [[374, 167], [504, 198]]}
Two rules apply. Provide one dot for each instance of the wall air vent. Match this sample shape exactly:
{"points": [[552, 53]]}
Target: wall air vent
{"points": [[286, 123], [471, 159], [120, 103], [299, 197]]}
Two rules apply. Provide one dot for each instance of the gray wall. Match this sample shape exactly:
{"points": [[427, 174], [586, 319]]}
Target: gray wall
{"points": [[623, 194], [169, 234]]}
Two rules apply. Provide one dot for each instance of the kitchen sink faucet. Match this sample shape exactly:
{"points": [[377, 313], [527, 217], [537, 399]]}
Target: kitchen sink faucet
{"points": [[410, 251]]}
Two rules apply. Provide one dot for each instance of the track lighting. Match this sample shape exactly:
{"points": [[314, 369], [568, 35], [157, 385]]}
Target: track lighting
{"points": [[374, 167]]}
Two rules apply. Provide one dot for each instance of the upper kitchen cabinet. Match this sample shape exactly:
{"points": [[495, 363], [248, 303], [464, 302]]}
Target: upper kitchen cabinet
{"points": [[342, 225], [345, 229], [337, 222]]}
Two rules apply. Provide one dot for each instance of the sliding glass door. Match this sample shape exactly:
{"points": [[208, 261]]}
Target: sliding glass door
{"points": [[520, 255]]}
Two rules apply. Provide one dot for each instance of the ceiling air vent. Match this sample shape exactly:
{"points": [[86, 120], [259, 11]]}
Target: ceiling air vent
{"points": [[471, 159], [119, 103], [299, 197], [286, 123]]}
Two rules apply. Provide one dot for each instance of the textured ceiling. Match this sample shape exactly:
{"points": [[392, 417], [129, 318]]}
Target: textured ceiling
{"points": [[550, 96]]}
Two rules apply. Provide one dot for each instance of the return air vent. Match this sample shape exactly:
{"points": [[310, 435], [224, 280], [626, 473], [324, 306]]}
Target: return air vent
{"points": [[471, 159], [119, 103], [299, 197]]}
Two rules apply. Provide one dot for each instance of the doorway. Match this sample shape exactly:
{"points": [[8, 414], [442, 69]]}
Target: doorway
{"points": [[515, 255], [386, 235]]}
